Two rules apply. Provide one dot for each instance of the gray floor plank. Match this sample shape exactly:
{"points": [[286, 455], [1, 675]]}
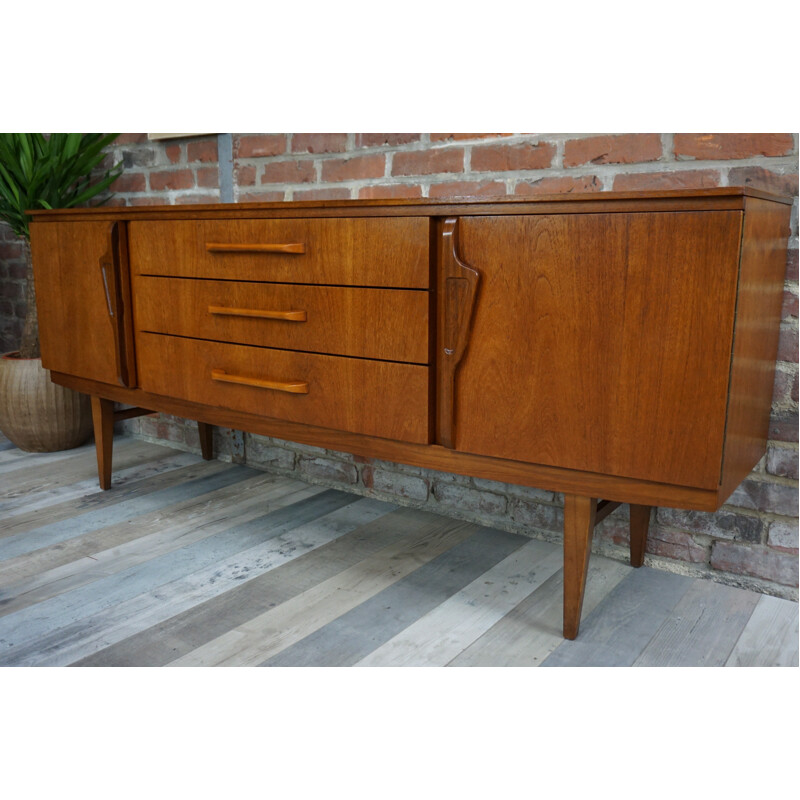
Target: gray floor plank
{"points": [[141, 540], [702, 628], [266, 635], [70, 608], [162, 471], [33, 483], [14, 459], [770, 638], [191, 562], [48, 507], [146, 610], [617, 631], [447, 630], [357, 633], [102, 517], [527, 635], [378, 525], [76, 547]]}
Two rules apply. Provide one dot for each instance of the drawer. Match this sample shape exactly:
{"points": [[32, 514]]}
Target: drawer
{"points": [[390, 252], [375, 398], [388, 324]]}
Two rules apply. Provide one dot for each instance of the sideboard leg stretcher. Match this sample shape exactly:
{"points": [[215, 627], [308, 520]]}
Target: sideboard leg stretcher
{"points": [[581, 514]]}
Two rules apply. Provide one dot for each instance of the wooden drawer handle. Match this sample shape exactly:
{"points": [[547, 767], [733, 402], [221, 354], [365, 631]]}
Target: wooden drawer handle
{"points": [[293, 387], [288, 316], [220, 247]]}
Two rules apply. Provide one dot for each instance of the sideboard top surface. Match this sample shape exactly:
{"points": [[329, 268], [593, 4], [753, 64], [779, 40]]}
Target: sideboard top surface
{"points": [[724, 197]]}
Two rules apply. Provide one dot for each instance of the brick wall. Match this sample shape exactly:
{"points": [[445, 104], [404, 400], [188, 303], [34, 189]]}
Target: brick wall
{"points": [[752, 541]]}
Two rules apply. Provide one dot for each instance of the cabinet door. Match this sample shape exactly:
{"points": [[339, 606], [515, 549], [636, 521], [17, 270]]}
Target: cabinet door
{"points": [[83, 298], [599, 342]]}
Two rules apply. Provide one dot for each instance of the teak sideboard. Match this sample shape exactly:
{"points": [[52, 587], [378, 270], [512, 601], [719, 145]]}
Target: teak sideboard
{"points": [[615, 347]]}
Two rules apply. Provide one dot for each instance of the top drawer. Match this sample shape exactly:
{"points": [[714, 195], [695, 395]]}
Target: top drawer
{"points": [[391, 252]]}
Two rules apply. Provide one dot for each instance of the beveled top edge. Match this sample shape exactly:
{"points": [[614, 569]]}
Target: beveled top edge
{"points": [[611, 196]]}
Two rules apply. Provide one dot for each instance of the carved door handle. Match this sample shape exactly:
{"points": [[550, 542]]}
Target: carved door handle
{"points": [[111, 269], [460, 289]]}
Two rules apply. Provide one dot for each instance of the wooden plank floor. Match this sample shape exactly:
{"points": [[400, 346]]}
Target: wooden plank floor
{"points": [[192, 563]]}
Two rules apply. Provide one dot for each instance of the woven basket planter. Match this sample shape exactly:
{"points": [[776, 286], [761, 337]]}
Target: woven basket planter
{"points": [[36, 414]]}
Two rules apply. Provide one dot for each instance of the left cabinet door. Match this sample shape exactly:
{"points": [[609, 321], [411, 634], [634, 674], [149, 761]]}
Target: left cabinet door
{"points": [[83, 298]]}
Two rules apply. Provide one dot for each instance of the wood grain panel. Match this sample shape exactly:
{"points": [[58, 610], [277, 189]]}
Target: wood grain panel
{"points": [[755, 344], [378, 398], [555, 479], [387, 324], [75, 327], [390, 252], [601, 342]]}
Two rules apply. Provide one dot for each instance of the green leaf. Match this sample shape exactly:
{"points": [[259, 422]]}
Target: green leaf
{"points": [[55, 171]]}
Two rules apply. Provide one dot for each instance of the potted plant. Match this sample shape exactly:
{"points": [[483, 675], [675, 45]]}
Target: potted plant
{"points": [[41, 171]]}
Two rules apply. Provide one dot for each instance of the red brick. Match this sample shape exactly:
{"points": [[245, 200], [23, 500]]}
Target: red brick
{"points": [[468, 189], [784, 388], [245, 175], [460, 137], [724, 524], [328, 470], [396, 190], [208, 177], [171, 179], [289, 172], [760, 178], [500, 157], [130, 138], [676, 544], [782, 461], [787, 345], [791, 265], [130, 182], [731, 145], [680, 179], [628, 148], [537, 515], [783, 536], [389, 139], [773, 498], [357, 168], [11, 250], [205, 151], [261, 197], [783, 426], [322, 194], [196, 199], [319, 142], [428, 162], [586, 183], [259, 145], [789, 304], [759, 562], [395, 483], [173, 152], [467, 499], [144, 200]]}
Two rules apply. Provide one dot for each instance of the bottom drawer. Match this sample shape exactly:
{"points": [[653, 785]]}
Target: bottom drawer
{"points": [[375, 398]]}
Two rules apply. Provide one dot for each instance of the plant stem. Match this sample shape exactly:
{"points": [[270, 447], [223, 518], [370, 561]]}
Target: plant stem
{"points": [[29, 347]]}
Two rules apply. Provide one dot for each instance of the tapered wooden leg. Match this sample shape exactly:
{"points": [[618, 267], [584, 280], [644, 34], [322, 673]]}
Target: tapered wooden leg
{"points": [[579, 519], [640, 522], [103, 421], [206, 432]]}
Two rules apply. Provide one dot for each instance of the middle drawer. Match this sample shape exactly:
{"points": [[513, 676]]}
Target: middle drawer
{"points": [[386, 324]]}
